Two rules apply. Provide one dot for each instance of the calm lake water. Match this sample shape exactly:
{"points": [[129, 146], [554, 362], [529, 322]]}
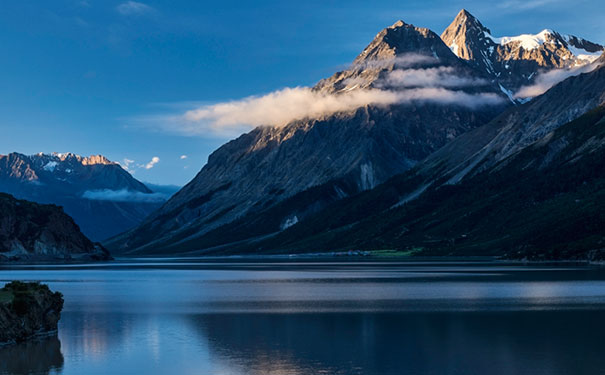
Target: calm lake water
{"points": [[271, 317]]}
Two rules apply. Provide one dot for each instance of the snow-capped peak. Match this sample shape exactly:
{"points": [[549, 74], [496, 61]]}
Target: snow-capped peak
{"points": [[526, 41]]}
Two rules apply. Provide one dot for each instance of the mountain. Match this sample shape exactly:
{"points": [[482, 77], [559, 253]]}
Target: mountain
{"points": [[466, 173], [516, 61], [360, 148], [545, 202], [529, 184], [35, 232], [103, 198]]}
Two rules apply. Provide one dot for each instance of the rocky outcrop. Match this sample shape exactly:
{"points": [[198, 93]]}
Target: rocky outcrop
{"points": [[102, 197], [34, 232], [28, 310]]}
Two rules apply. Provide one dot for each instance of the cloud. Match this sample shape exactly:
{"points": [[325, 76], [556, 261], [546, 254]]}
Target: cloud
{"points": [[546, 80], [126, 163], [183, 157], [443, 76], [133, 8], [151, 164], [124, 195], [406, 83], [281, 107], [284, 106], [403, 61]]}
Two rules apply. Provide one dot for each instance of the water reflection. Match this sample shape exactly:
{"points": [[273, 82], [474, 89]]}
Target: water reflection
{"points": [[40, 356], [371, 319], [409, 343]]}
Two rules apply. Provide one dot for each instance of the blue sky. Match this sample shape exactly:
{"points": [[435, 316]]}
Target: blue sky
{"points": [[96, 76]]}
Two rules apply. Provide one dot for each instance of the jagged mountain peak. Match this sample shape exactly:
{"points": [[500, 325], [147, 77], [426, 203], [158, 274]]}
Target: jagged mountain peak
{"points": [[71, 157], [516, 61], [401, 38], [465, 35], [399, 45], [465, 18]]}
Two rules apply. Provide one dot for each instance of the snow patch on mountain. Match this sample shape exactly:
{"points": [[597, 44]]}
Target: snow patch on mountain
{"points": [[527, 41], [50, 166]]}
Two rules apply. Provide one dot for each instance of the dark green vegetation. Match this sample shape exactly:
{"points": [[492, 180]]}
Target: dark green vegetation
{"points": [[6, 296], [28, 310], [32, 232], [22, 295]]}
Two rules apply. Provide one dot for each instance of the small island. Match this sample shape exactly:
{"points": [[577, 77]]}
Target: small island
{"points": [[28, 310]]}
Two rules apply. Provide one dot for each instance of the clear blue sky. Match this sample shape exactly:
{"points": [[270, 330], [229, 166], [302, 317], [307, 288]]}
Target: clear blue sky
{"points": [[82, 75]]}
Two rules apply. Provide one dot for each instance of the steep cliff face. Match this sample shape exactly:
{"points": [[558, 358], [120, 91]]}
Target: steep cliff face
{"points": [[516, 61], [34, 232], [362, 148], [83, 186], [28, 310]]}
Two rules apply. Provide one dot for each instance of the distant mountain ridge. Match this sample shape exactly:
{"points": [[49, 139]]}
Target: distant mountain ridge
{"points": [[69, 180]]}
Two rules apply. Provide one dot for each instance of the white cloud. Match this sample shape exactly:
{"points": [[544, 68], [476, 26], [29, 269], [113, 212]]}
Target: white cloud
{"points": [[281, 107], [546, 80], [133, 8], [183, 157], [406, 60], [415, 79], [443, 76], [126, 163], [151, 164], [124, 195]]}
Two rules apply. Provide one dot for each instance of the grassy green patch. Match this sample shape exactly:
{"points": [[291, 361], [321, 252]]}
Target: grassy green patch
{"points": [[395, 253]]}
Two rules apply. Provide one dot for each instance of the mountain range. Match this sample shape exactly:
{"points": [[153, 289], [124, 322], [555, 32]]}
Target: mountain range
{"points": [[514, 62], [463, 115], [102, 197]]}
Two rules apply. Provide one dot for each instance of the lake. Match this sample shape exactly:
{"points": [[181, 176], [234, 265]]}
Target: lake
{"points": [[272, 316]]}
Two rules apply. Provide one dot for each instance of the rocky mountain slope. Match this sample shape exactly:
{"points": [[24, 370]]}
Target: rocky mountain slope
{"points": [[103, 198], [35, 232], [504, 188], [516, 61], [361, 148], [545, 202], [326, 222]]}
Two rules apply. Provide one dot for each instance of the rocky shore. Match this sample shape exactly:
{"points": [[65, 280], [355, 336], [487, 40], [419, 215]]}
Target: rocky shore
{"points": [[28, 310]]}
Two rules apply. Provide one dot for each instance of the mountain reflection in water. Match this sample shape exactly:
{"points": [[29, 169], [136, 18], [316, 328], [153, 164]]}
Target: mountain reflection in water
{"points": [[39, 356]]}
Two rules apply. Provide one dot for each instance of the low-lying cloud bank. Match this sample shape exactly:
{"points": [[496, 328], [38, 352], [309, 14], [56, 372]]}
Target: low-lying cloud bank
{"points": [[443, 76], [546, 80], [124, 195], [415, 79], [284, 106]]}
